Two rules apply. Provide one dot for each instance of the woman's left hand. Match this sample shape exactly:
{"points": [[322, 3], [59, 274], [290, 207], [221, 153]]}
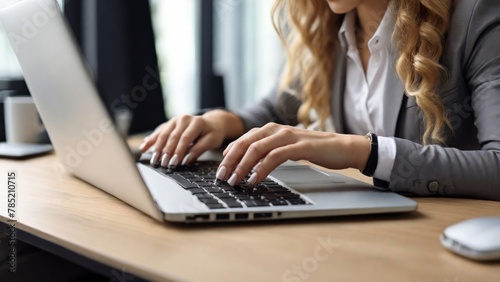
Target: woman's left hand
{"points": [[274, 144]]}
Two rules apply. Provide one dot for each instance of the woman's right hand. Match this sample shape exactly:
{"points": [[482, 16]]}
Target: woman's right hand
{"points": [[183, 139]]}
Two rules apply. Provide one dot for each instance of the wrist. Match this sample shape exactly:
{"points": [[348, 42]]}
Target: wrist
{"points": [[371, 164], [226, 122], [360, 150]]}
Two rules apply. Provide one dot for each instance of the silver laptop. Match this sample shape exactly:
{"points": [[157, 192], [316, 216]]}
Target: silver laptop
{"points": [[89, 146]]}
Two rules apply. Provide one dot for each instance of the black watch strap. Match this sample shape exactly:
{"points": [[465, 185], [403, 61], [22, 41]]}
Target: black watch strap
{"points": [[371, 164]]}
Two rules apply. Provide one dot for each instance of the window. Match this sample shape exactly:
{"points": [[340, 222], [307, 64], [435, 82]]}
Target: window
{"points": [[247, 51], [9, 66], [175, 23]]}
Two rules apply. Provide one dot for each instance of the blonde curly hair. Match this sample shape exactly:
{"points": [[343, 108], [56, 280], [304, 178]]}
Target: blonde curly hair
{"points": [[421, 25]]}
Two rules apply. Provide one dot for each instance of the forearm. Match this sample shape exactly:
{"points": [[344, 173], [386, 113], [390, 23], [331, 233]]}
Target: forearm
{"points": [[435, 170]]}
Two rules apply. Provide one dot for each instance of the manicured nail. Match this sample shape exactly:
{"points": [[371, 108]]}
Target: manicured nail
{"points": [[154, 159], [221, 173], [164, 160], [174, 161], [253, 178], [256, 166], [187, 159], [232, 179]]}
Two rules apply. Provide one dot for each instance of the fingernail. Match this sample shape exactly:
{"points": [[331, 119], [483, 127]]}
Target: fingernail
{"points": [[232, 179], [187, 159], [174, 161], [253, 178], [164, 160], [154, 158], [221, 173]]}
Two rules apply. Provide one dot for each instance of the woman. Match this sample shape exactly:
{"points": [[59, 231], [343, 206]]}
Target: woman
{"points": [[423, 75]]}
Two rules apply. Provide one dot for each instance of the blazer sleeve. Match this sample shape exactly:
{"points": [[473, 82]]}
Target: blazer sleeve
{"points": [[436, 170], [276, 107]]}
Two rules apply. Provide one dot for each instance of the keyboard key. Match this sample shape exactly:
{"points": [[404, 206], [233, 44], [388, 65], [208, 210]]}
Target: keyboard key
{"points": [[232, 203], [182, 181], [209, 201], [227, 200], [195, 191], [164, 170], [260, 189], [227, 188], [245, 197], [238, 188], [204, 196], [212, 189], [277, 189], [279, 202], [223, 195], [269, 196], [215, 206], [297, 201], [289, 196], [255, 203]]}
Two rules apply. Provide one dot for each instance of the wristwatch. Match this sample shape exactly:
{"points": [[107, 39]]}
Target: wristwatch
{"points": [[371, 164]]}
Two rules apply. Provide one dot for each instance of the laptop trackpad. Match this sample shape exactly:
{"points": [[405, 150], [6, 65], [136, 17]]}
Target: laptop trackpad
{"points": [[304, 177]]}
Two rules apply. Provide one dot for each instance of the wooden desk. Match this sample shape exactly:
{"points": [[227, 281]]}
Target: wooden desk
{"points": [[63, 211]]}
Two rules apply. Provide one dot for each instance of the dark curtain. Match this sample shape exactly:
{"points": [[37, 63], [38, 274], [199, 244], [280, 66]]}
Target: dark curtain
{"points": [[117, 39]]}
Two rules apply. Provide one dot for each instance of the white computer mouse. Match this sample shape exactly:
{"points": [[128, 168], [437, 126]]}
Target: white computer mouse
{"points": [[477, 238]]}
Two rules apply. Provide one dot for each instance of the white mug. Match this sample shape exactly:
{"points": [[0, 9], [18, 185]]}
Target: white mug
{"points": [[123, 119], [22, 122]]}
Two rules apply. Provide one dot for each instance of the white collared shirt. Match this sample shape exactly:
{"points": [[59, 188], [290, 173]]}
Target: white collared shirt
{"points": [[364, 94]]}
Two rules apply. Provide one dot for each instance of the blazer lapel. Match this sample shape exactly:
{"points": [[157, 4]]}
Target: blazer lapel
{"points": [[393, 97], [337, 102]]}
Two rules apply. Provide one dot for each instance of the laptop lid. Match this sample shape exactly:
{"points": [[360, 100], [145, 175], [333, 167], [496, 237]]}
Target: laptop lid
{"points": [[80, 129]]}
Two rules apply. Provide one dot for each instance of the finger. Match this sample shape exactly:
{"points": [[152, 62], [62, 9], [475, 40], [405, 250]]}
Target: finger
{"points": [[259, 150], [193, 131], [203, 144], [159, 142], [237, 151], [228, 148], [150, 140], [275, 158], [171, 142], [147, 143]]}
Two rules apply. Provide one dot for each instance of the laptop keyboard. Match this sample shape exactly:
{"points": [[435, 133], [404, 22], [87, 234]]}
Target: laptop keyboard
{"points": [[199, 179]]}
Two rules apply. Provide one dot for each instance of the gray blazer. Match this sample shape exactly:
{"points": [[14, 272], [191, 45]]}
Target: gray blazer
{"points": [[470, 165]]}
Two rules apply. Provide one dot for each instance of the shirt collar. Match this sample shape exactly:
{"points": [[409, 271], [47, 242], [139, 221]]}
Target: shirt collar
{"points": [[346, 31], [381, 38]]}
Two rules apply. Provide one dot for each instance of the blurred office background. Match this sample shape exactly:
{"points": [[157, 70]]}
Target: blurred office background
{"points": [[207, 53]]}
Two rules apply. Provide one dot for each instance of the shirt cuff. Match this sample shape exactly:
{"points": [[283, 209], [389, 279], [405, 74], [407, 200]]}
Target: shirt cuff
{"points": [[386, 157]]}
